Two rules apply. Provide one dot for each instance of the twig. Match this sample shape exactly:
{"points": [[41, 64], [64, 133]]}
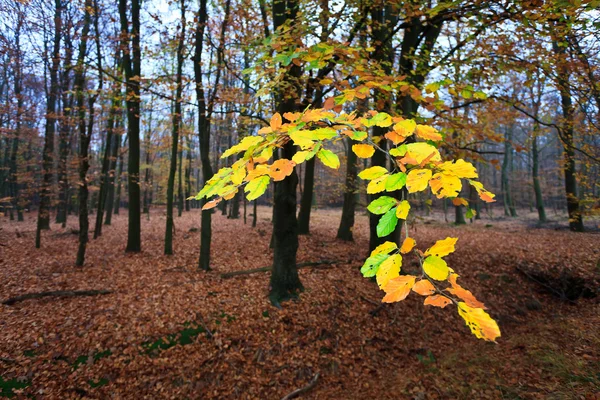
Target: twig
{"points": [[201, 320], [304, 389], [267, 269], [56, 293]]}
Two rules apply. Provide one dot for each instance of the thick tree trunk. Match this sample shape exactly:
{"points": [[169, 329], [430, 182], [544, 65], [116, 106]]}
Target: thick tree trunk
{"points": [[132, 62], [43, 221]]}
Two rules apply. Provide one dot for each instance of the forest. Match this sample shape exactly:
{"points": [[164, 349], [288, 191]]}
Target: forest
{"points": [[332, 199]]}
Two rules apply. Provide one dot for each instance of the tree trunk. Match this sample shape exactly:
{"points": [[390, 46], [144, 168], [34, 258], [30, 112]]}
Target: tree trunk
{"points": [[350, 190], [306, 201], [114, 175], [43, 221], [175, 137], [537, 189], [132, 63]]}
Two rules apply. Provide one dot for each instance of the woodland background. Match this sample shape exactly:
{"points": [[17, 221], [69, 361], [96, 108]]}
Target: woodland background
{"points": [[114, 115]]}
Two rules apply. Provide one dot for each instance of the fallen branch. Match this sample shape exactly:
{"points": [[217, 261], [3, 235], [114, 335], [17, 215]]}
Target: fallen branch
{"points": [[267, 269], [56, 293], [304, 389]]}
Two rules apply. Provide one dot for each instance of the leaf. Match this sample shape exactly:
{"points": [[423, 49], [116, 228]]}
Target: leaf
{"points": [[436, 268], [424, 288], [382, 120], [303, 138], [437, 301], [371, 265], [281, 168], [405, 128], [387, 223], [324, 133], [417, 180], [421, 151], [300, 156], [363, 150], [238, 176], [480, 322], [428, 133], [460, 168], [445, 185], [372, 173], [470, 213], [459, 201], [377, 185], [389, 269], [381, 205], [244, 144], [442, 248], [399, 151], [408, 244], [291, 116], [395, 182], [403, 209], [398, 288], [385, 247], [275, 121], [256, 187], [464, 294], [211, 204], [330, 102], [329, 158]]}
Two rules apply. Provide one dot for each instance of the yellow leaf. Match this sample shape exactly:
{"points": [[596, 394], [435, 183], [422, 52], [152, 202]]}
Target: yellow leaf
{"points": [[389, 269], [244, 144], [264, 155], [405, 128], [238, 176], [437, 301], [445, 185], [428, 133], [460, 169], [424, 288], [403, 209], [372, 173], [398, 288], [442, 248], [329, 158], [421, 151], [363, 150], [300, 156], [377, 185], [417, 180], [436, 268], [408, 244], [256, 187], [281, 168], [303, 139], [385, 247], [275, 121], [260, 170], [480, 322]]}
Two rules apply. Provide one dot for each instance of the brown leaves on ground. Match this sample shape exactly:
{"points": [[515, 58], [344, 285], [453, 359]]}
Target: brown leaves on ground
{"points": [[101, 347]]}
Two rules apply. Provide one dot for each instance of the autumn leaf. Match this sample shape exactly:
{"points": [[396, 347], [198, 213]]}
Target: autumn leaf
{"points": [[238, 176], [403, 209], [480, 322], [464, 294], [395, 182], [275, 121], [281, 168], [377, 185], [459, 201], [382, 120], [363, 150], [442, 248], [382, 204], [329, 158], [244, 144], [408, 244], [445, 185], [460, 168], [421, 151], [405, 128], [398, 288], [417, 180], [371, 265], [424, 288], [300, 156], [437, 300], [436, 268], [387, 223], [211, 204], [428, 133], [303, 139], [330, 102], [389, 269], [385, 247], [372, 173], [256, 187]]}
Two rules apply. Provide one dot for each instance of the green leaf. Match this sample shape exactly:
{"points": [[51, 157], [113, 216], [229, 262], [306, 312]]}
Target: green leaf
{"points": [[359, 135], [372, 173], [329, 158], [257, 186], [469, 214], [395, 182], [325, 133], [382, 205], [399, 151], [387, 223], [436, 268], [304, 138], [382, 120], [372, 264]]}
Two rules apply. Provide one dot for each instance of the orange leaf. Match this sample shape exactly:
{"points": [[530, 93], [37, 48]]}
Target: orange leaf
{"points": [[437, 301], [424, 288], [291, 116], [459, 201], [329, 103], [281, 168], [408, 244], [464, 294], [276, 121], [363, 150], [398, 288], [211, 204], [395, 137]]}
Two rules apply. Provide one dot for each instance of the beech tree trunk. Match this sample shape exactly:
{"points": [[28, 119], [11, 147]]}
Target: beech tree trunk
{"points": [[350, 190]]}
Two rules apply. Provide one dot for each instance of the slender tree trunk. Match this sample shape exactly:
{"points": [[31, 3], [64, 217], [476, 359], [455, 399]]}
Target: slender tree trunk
{"points": [[110, 201], [175, 138], [350, 190], [132, 62], [17, 132], [43, 221], [188, 173], [119, 178], [306, 201], [539, 200], [509, 208]]}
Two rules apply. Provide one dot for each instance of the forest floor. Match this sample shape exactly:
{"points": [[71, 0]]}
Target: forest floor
{"points": [[168, 330]]}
